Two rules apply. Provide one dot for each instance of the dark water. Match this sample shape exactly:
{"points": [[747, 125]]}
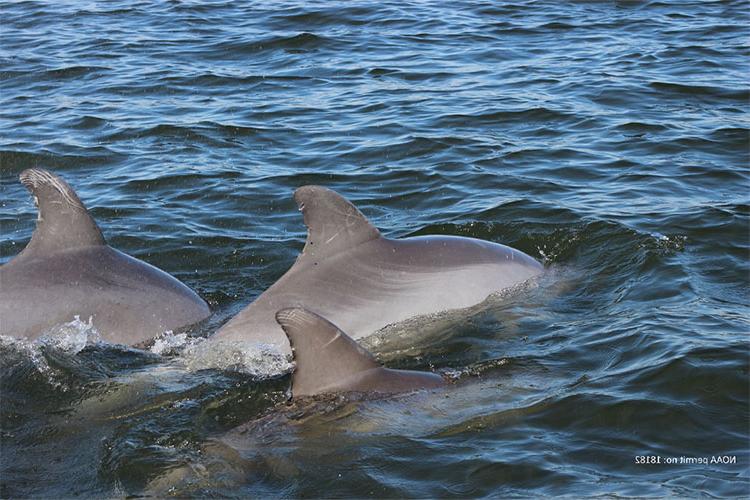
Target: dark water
{"points": [[608, 139]]}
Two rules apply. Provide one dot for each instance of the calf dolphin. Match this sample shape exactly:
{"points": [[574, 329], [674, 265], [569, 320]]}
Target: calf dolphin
{"points": [[68, 270], [329, 361], [361, 281]]}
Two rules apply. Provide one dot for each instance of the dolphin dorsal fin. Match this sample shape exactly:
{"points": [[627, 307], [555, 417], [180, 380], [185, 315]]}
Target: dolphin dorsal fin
{"points": [[333, 223], [63, 221], [325, 356]]}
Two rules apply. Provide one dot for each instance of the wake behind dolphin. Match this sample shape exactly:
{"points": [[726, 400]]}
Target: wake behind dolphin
{"points": [[68, 270], [362, 282]]}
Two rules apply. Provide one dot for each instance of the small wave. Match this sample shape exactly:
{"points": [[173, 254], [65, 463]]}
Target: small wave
{"points": [[476, 369], [189, 134], [641, 127], [348, 15], [301, 42], [411, 76], [213, 80], [161, 182], [65, 73], [87, 122], [13, 161], [242, 130], [18, 355], [376, 72], [701, 374], [537, 114], [50, 354], [681, 90], [73, 71]]}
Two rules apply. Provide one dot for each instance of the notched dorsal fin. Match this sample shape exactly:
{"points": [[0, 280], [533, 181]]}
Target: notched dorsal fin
{"points": [[333, 223], [325, 356], [63, 221]]}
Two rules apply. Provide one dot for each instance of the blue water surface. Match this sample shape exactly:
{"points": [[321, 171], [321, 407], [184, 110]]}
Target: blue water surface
{"points": [[607, 139]]}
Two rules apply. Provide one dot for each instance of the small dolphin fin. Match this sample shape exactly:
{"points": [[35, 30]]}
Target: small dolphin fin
{"points": [[325, 356], [333, 223], [63, 221]]}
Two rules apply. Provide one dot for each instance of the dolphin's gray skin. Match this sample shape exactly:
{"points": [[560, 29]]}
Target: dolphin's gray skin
{"points": [[362, 282], [329, 361], [68, 270]]}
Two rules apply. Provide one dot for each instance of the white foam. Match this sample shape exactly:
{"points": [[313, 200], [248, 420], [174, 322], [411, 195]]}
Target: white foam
{"points": [[71, 337], [261, 361], [168, 343]]}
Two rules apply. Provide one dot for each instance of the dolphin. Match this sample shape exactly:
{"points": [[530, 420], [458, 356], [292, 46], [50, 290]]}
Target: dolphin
{"points": [[329, 361], [68, 270], [358, 279]]}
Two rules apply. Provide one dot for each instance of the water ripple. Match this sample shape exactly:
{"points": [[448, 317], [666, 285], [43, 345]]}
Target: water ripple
{"points": [[609, 140]]}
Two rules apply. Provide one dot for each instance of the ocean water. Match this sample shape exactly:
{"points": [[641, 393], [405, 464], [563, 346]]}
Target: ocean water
{"points": [[608, 139]]}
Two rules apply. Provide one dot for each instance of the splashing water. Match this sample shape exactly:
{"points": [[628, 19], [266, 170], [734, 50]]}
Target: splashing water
{"points": [[71, 337], [260, 361], [169, 343]]}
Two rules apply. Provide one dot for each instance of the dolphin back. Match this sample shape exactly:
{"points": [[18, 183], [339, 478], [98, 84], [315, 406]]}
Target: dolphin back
{"points": [[68, 270]]}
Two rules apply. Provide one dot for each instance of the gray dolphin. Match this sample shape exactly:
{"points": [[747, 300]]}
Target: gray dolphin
{"points": [[329, 361], [361, 281], [68, 270]]}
